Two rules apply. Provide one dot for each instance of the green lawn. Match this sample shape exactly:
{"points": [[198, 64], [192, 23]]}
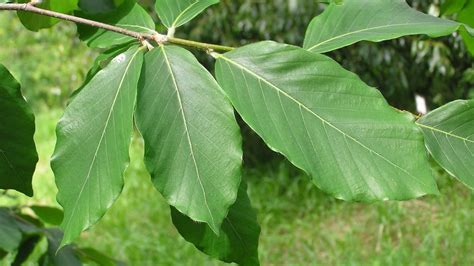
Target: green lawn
{"points": [[300, 224]]}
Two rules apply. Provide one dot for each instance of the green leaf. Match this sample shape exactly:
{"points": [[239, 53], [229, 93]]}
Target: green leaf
{"points": [[369, 20], [10, 234], [60, 256], [93, 138], [18, 155], [99, 6], [35, 22], [328, 122], [176, 13], [466, 15], [192, 140], [92, 255], [129, 15], [449, 136], [238, 238], [49, 215], [450, 7]]}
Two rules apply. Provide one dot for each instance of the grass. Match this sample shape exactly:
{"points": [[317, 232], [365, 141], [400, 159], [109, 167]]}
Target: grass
{"points": [[300, 224]]}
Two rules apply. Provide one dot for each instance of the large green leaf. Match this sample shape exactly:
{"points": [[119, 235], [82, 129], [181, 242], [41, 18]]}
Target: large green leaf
{"points": [[357, 20], [176, 13], [129, 15], [10, 234], [449, 135], [328, 122], [192, 141], [450, 7], [99, 6], [18, 155], [36, 22], [238, 238], [93, 139]]}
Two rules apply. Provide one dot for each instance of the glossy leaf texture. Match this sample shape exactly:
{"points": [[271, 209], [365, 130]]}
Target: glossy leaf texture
{"points": [[192, 140], [352, 21], [18, 156], [129, 15], [35, 22], [93, 139], [449, 136], [328, 122], [176, 13], [238, 238]]}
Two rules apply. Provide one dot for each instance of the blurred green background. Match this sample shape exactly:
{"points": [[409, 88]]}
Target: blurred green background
{"points": [[300, 224]]}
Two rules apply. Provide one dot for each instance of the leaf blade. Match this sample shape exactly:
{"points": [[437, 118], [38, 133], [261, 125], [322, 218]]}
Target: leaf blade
{"points": [[341, 132], [449, 132], [238, 238], [193, 146], [82, 150], [352, 21], [18, 156]]}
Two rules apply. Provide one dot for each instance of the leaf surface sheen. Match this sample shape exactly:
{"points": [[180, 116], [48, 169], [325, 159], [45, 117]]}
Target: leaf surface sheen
{"points": [[192, 140], [352, 21], [176, 13], [93, 139], [449, 135], [326, 121], [238, 238], [18, 156]]}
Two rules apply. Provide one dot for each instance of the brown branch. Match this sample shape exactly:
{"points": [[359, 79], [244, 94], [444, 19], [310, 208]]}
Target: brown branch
{"points": [[159, 38]]}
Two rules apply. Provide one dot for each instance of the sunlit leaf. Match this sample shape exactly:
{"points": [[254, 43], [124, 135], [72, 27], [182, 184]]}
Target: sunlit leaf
{"points": [[192, 141], [449, 135], [328, 122], [352, 21], [93, 138]]}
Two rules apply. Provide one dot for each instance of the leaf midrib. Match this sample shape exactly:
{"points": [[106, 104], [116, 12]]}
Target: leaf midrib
{"points": [[175, 84], [324, 121], [101, 137], [363, 30], [450, 134], [175, 22]]}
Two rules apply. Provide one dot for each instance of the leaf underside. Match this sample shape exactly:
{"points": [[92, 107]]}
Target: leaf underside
{"points": [[93, 138], [326, 121], [449, 136], [352, 21], [192, 140]]}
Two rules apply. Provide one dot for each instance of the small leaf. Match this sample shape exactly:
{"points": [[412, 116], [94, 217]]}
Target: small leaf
{"points": [[93, 138], [466, 15], [18, 155], [238, 238], [369, 20], [176, 13], [49, 215], [10, 234], [192, 140], [35, 22], [129, 15], [328, 122], [449, 136]]}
